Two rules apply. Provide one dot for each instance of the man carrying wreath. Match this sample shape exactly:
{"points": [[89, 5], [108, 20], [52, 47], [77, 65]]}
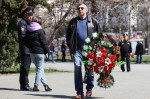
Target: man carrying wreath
{"points": [[79, 29]]}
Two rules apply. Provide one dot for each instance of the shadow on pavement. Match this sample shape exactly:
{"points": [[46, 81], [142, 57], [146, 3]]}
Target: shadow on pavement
{"points": [[61, 96], [11, 89]]}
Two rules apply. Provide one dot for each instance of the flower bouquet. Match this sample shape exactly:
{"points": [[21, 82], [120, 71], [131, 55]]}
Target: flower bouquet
{"points": [[132, 55], [101, 59]]}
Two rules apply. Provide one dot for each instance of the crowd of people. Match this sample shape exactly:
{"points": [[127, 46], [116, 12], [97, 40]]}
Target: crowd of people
{"points": [[33, 46]]}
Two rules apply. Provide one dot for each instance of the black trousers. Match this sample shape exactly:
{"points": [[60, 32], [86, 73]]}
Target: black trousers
{"points": [[24, 70], [63, 56], [125, 56]]}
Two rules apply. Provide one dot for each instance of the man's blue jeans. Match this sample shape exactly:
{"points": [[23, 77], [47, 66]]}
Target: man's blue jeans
{"points": [[137, 61], [52, 54], [38, 60], [78, 74]]}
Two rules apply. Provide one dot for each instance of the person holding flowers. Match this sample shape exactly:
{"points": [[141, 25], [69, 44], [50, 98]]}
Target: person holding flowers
{"points": [[80, 28]]}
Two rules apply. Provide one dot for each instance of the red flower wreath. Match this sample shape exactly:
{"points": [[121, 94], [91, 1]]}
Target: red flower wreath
{"points": [[101, 60]]}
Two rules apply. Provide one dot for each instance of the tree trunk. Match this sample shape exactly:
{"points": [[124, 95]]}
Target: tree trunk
{"points": [[148, 45]]}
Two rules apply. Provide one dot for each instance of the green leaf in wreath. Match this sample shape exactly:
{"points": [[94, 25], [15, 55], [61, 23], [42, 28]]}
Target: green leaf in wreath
{"points": [[110, 45], [103, 42], [108, 55], [90, 48], [94, 65], [84, 62], [114, 50], [120, 63], [89, 52], [87, 66]]}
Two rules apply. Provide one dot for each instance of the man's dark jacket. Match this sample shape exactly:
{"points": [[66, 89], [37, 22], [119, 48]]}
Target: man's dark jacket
{"points": [[139, 49], [22, 30], [71, 35], [125, 47]]}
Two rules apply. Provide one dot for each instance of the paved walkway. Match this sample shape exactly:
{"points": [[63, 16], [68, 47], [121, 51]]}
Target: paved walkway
{"points": [[128, 85]]}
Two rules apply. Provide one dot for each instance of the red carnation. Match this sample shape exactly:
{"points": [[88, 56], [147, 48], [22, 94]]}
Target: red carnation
{"points": [[112, 58], [102, 63], [106, 69], [132, 55], [91, 56], [96, 69], [112, 65], [103, 57], [103, 51]]}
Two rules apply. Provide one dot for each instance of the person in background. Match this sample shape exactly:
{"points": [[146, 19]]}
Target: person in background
{"points": [[24, 51], [139, 52], [78, 30], [51, 52], [63, 50], [38, 47], [126, 50]]}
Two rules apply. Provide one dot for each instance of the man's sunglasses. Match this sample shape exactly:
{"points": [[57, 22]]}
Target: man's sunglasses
{"points": [[80, 8]]}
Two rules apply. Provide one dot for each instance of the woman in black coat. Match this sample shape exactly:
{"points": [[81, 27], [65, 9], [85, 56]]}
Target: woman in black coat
{"points": [[37, 44]]}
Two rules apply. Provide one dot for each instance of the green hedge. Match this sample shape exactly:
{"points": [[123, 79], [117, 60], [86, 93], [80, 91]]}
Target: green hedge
{"points": [[145, 59]]}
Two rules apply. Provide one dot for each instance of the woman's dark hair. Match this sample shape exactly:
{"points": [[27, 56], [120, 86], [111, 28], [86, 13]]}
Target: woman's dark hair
{"points": [[37, 19]]}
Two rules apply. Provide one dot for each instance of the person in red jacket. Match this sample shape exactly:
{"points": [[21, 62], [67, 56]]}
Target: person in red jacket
{"points": [[51, 52]]}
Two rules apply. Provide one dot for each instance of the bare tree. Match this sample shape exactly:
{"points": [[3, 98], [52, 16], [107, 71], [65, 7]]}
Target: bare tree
{"points": [[113, 15], [53, 20]]}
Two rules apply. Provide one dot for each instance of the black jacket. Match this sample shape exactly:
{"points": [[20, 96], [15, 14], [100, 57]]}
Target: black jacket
{"points": [[22, 30], [71, 35], [63, 48], [139, 48], [36, 42], [125, 47]]}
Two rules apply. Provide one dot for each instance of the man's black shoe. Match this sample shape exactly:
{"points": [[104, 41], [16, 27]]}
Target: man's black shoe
{"points": [[26, 89], [122, 70]]}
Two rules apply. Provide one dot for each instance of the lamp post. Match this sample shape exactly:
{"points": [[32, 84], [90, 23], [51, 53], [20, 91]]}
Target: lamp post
{"points": [[148, 33], [148, 19]]}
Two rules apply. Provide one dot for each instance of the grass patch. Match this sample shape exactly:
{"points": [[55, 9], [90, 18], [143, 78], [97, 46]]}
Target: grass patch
{"points": [[16, 69], [59, 58], [32, 70], [145, 59], [10, 70], [48, 70]]}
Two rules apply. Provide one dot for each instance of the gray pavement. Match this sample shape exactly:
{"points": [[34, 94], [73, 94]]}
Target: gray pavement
{"points": [[128, 85]]}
